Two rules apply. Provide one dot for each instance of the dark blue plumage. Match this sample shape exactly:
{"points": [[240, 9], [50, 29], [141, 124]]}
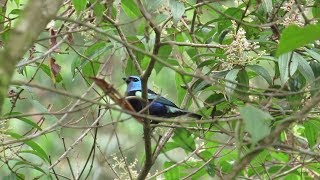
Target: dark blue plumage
{"points": [[159, 106]]}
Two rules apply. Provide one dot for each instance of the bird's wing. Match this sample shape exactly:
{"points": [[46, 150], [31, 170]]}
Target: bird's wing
{"points": [[162, 106], [154, 96]]}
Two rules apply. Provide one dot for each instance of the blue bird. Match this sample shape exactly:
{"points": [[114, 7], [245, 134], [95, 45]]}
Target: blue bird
{"points": [[159, 106]]}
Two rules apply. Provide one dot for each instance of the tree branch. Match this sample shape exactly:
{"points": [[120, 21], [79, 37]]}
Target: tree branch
{"points": [[267, 141], [146, 126], [28, 28]]}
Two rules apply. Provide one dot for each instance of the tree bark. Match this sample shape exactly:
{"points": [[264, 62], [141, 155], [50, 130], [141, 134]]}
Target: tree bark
{"points": [[36, 15]]}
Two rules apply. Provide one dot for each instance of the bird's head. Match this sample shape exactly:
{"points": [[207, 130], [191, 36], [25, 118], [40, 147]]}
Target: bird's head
{"points": [[133, 83]]}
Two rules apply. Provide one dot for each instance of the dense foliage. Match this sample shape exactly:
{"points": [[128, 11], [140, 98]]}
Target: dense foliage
{"points": [[251, 68]]}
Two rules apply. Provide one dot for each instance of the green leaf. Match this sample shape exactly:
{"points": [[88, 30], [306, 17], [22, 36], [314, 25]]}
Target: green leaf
{"points": [[262, 72], [243, 80], [79, 5], [294, 37], [26, 120], [225, 22], [130, 68], [267, 4], [184, 139], [13, 176], [293, 66], [192, 53], [130, 8], [164, 53], [97, 49], [230, 86], [173, 173], [316, 69], [169, 146], [295, 175], [46, 69], [280, 156], [32, 144], [313, 54], [304, 68], [24, 163], [177, 10], [98, 9], [32, 152], [210, 167], [181, 92], [210, 170], [296, 84], [180, 38], [199, 173], [316, 9], [256, 122], [284, 61], [312, 131], [17, 2], [91, 69], [16, 11], [207, 63]]}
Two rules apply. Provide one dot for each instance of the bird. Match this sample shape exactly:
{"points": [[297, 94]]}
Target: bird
{"points": [[158, 105]]}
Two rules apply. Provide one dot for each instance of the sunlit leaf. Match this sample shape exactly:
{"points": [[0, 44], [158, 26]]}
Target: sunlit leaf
{"points": [[267, 4], [25, 120], [173, 173], [79, 5], [280, 156], [243, 87], [316, 9], [294, 37], [262, 72], [16, 11], [207, 63], [13, 176], [46, 69], [312, 131], [91, 69], [256, 121], [184, 139], [313, 54], [231, 82], [225, 22], [164, 53], [17, 2], [130, 8], [293, 66], [32, 144], [25, 164], [154, 5], [54, 68], [177, 10], [305, 68], [181, 92], [98, 9], [284, 61]]}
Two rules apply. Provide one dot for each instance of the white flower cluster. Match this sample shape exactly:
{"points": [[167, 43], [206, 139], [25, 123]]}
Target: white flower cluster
{"points": [[238, 50], [120, 167], [293, 16], [3, 130]]}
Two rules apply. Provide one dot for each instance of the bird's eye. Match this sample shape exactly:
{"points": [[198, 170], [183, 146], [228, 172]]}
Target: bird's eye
{"points": [[135, 79]]}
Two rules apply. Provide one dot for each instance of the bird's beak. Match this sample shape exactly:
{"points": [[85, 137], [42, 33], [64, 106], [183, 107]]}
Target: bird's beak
{"points": [[126, 80]]}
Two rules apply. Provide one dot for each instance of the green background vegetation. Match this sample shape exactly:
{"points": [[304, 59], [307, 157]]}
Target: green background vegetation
{"points": [[250, 68]]}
